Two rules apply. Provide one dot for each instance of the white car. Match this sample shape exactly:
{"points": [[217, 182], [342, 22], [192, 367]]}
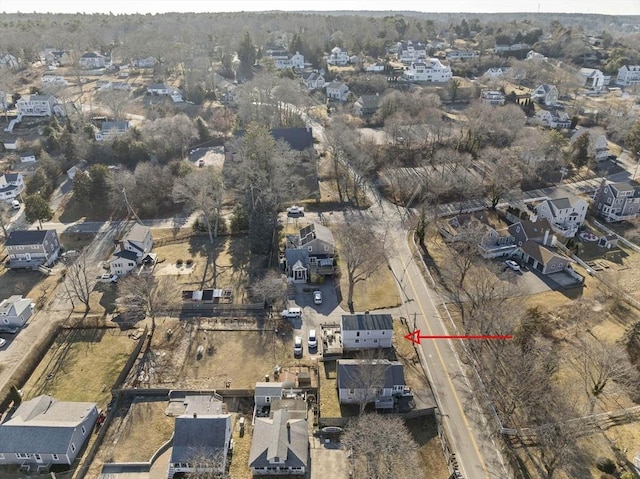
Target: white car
{"points": [[295, 211], [512, 264], [109, 278], [312, 342], [2, 342], [317, 297], [297, 347]]}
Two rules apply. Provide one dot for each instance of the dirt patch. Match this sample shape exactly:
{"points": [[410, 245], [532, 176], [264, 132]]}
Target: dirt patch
{"points": [[425, 432], [329, 404], [81, 365]]}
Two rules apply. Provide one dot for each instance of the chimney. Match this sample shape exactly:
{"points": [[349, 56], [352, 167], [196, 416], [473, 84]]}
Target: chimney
{"points": [[546, 237], [288, 432], [195, 415]]}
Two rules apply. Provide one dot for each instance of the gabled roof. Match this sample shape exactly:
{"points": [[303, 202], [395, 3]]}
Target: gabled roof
{"points": [[351, 371], [369, 101], [279, 437], [295, 255], [108, 126], [366, 322], [43, 425], [337, 85], [26, 237], [540, 253], [201, 435], [14, 305], [532, 229], [315, 231], [137, 233], [560, 203], [125, 254], [157, 86]]}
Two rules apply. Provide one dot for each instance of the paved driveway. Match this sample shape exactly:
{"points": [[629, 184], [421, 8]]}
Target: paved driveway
{"points": [[328, 460]]}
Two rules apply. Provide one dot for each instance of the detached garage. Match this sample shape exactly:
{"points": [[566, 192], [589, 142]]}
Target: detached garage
{"points": [[542, 258]]}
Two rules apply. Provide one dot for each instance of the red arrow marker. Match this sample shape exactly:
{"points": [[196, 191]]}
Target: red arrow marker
{"points": [[415, 337]]}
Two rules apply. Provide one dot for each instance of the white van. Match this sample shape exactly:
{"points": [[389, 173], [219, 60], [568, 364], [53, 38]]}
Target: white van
{"points": [[292, 313], [313, 340], [15, 204]]}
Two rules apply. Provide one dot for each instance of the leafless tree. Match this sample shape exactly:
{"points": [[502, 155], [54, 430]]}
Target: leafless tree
{"points": [[78, 282], [116, 101], [601, 364], [5, 216], [147, 295], [207, 464], [271, 288], [203, 190], [361, 252], [381, 447]]}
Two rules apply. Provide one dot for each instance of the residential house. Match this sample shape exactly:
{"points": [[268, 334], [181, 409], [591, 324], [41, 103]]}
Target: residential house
{"points": [[496, 72], [280, 445], [32, 248], [411, 52], [295, 61], [163, 90], [557, 119], [430, 71], [493, 241], [53, 80], [598, 144], [15, 311], [461, 54], [55, 57], [11, 185], [147, 62], [564, 215], [337, 90], [502, 47], [28, 157], [36, 105], [591, 78], [310, 251], [338, 57], [131, 250], [535, 56], [375, 68], [364, 381], [366, 331], [7, 60], [110, 129], [617, 201], [545, 94], [535, 246], [43, 432], [92, 60], [628, 75], [492, 97], [313, 80], [367, 105], [265, 393], [299, 139], [201, 439]]}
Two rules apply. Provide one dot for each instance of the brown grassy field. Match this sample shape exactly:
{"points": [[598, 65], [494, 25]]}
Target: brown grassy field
{"points": [[425, 433], [239, 467], [81, 365], [329, 405]]}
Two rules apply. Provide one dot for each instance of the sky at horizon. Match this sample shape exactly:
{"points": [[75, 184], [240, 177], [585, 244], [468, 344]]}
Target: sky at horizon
{"points": [[610, 7]]}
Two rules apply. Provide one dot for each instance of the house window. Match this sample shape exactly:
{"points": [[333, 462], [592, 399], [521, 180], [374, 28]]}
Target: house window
{"points": [[21, 455], [358, 333], [352, 391], [55, 457], [84, 431], [357, 341], [73, 447], [310, 248], [1, 457]]}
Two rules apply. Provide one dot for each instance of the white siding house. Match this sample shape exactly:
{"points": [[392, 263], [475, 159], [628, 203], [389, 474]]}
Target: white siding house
{"points": [[432, 70], [366, 331], [628, 75], [564, 216]]}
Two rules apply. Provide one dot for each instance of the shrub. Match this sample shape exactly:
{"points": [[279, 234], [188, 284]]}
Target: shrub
{"points": [[605, 464]]}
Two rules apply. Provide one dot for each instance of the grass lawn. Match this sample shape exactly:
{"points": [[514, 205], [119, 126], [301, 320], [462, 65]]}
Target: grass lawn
{"points": [[239, 468], [329, 405], [76, 241], [81, 365], [378, 292], [144, 429]]}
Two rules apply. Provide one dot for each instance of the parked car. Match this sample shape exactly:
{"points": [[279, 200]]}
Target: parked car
{"points": [[317, 297], [292, 313], [109, 278], [297, 347], [295, 211], [2, 342], [7, 329], [312, 342], [15, 204], [512, 265]]}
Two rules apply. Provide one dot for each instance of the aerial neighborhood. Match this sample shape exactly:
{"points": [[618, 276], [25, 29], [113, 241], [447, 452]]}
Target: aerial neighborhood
{"points": [[319, 245]]}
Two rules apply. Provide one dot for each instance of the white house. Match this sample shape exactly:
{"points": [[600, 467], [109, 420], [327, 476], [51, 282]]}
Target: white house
{"points": [[7, 60], [496, 72], [411, 51], [53, 80], [36, 105], [265, 393], [628, 75], [92, 60], [131, 250], [15, 311], [11, 185], [492, 97], [313, 80], [535, 56], [461, 54], [545, 94], [366, 331], [564, 216], [556, 119], [591, 78], [337, 90], [338, 57], [289, 61], [111, 129], [163, 90], [430, 71], [363, 381], [375, 68], [148, 62], [28, 157]]}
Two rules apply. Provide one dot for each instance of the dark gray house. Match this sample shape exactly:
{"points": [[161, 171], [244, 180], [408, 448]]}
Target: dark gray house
{"points": [[366, 105], [32, 248], [43, 431], [201, 439], [280, 445], [535, 246], [15, 311], [363, 381], [617, 201]]}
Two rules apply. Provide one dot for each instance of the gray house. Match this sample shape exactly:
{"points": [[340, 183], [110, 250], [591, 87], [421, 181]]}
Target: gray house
{"points": [[280, 445], [366, 331], [266, 393], [535, 246], [32, 248], [363, 381], [43, 431], [310, 251], [15, 311], [617, 201], [200, 442], [366, 105]]}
